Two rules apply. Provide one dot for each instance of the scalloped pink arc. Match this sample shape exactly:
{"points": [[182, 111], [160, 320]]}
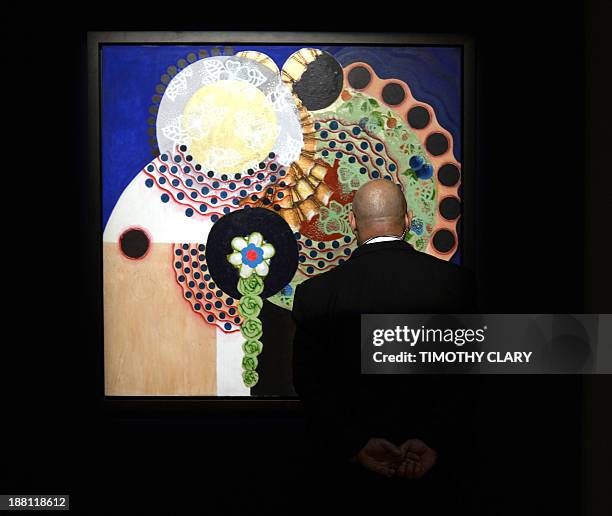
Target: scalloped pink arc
{"points": [[374, 89]]}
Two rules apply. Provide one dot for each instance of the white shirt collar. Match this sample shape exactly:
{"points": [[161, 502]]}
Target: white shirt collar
{"points": [[375, 240]]}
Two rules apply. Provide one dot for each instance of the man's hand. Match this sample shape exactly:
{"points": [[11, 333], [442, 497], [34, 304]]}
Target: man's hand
{"points": [[380, 456], [419, 459]]}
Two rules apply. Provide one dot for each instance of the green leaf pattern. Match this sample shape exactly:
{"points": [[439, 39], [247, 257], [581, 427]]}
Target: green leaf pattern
{"points": [[334, 219]]}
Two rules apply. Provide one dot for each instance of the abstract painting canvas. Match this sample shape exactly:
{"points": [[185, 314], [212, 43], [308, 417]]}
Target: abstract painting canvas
{"points": [[227, 178]]}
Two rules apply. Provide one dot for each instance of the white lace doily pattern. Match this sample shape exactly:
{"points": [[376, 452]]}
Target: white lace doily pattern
{"points": [[207, 96]]}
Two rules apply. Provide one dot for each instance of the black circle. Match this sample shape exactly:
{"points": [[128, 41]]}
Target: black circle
{"points": [[242, 223], [450, 208], [443, 241], [321, 83], [393, 94], [436, 144], [448, 175], [418, 117], [134, 243], [359, 77]]}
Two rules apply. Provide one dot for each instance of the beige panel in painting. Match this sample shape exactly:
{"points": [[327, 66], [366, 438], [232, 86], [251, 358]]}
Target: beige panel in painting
{"points": [[154, 344]]}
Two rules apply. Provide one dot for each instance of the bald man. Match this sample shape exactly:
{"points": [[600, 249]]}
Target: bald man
{"points": [[379, 212], [396, 440]]}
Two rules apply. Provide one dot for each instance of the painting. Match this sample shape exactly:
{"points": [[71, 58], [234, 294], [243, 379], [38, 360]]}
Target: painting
{"points": [[228, 173]]}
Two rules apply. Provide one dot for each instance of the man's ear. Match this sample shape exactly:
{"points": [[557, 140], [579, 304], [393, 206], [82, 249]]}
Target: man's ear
{"points": [[352, 222], [408, 219]]}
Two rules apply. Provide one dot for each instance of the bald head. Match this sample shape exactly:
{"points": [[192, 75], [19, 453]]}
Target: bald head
{"points": [[379, 208], [379, 200]]}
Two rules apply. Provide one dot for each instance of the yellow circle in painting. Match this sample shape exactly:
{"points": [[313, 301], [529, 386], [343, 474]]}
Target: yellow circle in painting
{"points": [[230, 124]]}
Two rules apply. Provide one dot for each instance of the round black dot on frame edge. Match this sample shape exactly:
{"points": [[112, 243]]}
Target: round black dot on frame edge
{"points": [[359, 77], [418, 117], [450, 208], [449, 174], [443, 241], [393, 93], [436, 144]]}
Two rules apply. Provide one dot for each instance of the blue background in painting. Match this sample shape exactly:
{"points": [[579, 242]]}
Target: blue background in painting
{"points": [[130, 74]]}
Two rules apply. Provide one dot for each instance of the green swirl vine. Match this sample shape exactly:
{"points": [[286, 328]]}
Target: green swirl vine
{"points": [[251, 256]]}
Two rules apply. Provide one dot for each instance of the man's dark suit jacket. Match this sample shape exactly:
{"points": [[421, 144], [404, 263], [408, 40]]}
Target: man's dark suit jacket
{"points": [[346, 408]]}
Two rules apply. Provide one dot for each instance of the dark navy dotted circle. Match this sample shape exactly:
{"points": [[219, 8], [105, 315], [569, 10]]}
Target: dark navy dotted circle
{"points": [[243, 222]]}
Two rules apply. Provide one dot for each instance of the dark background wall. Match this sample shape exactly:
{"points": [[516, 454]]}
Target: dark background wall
{"points": [[540, 226]]}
